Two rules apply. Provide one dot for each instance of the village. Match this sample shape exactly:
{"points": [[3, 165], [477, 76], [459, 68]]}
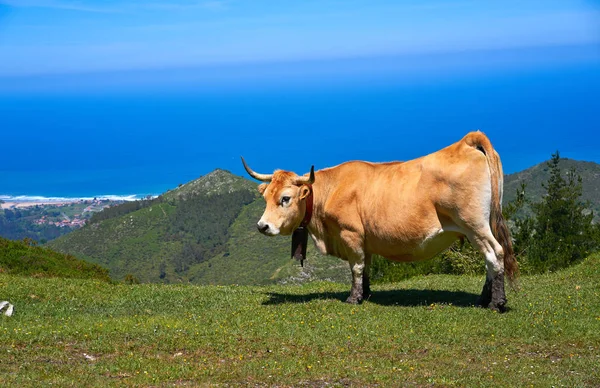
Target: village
{"points": [[73, 222], [70, 214]]}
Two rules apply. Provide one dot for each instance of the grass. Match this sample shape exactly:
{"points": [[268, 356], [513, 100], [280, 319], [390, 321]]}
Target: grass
{"points": [[23, 258], [423, 331]]}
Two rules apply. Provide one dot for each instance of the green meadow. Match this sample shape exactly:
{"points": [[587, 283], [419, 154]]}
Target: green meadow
{"points": [[422, 331]]}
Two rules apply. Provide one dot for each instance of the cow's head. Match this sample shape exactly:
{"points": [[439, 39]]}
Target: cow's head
{"points": [[285, 194]]}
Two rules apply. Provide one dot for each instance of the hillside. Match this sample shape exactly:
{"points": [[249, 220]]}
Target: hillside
{"points": [[421, 332], [26, 259], [204, 232], [251, 258], [534, 176], [169, 236]]}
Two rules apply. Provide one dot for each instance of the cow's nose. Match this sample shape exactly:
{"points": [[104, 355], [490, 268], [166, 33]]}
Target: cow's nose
{"points": [[262, 227]]}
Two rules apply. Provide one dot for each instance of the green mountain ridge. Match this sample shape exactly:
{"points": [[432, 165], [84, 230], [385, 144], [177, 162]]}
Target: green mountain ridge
{"points": [[534, 176], [204, 232], [216, 182]]}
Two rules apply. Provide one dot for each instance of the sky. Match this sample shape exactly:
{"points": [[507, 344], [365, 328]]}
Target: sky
{"points": [[64, 36], [148, 94]]}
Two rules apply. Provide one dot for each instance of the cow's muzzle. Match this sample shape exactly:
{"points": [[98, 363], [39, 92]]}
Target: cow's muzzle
{"points": [[266, 229]]}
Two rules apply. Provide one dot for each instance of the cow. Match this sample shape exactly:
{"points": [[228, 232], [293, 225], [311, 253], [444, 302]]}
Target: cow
{"points": [[403, 211]]}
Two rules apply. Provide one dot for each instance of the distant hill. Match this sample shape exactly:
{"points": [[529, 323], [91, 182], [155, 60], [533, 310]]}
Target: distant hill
{"points": [[204, 232], [536, 175], [23, 258]]}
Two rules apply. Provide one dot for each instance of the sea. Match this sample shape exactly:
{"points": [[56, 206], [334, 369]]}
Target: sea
{"points": [[108, 136]]}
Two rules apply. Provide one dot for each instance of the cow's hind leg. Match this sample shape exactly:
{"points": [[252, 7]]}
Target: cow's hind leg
{"points": [[492, 295]]}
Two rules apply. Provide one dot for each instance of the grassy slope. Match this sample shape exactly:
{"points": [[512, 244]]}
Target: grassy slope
{"points": [[418, 332], [128, 244], [20, 258], [248, 259]]}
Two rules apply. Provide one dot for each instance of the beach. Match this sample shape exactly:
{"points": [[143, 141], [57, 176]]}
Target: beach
{"points": [[24, 204]]}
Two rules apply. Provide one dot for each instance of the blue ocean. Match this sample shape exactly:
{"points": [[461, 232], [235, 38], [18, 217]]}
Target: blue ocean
{"points": [[67, 141]]}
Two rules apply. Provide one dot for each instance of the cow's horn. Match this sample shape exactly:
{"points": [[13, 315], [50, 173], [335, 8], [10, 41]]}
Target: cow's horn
{"points": [[307, 180], [255, 175]]}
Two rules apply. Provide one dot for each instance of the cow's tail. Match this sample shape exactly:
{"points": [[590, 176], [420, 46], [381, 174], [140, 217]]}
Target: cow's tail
{"points": [[497, 222]]}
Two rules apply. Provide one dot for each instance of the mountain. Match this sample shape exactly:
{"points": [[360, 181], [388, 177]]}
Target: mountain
{"points": [[536, 175], [26, 259], [204, 232]]}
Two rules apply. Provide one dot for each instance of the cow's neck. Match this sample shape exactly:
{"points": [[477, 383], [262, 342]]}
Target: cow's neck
{"points": [[309, 208], [315, 226]]}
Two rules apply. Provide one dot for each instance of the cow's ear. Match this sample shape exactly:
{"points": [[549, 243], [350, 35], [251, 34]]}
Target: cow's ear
{"points": [[304, 191], [262, 187]]}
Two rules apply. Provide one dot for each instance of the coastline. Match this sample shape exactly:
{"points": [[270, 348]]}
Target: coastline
{"points": [[25, 204], [25, 201]]}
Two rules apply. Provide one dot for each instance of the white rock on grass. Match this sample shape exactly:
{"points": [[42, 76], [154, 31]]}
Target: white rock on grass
{"points": [[9, 309]]}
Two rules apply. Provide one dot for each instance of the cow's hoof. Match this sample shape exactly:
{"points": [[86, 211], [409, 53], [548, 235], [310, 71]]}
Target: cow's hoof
{"points": [[499, 306]]}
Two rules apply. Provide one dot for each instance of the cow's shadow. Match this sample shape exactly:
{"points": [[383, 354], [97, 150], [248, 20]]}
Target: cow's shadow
{"points": [[407, 298]]}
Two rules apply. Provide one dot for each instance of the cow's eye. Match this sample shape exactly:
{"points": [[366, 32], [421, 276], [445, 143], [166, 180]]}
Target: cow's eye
{"points": [[285, 200]]}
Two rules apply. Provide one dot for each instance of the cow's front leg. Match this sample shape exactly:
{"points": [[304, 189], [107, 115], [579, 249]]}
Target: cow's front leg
{"points": [[366, 281], [356, 258], [356, 292]]}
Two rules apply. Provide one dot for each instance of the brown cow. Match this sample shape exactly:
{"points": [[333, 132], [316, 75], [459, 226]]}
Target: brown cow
{"points": [[403, 211]]}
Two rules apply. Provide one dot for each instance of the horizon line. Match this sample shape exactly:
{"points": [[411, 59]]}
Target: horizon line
{"points": [[233, 64]]}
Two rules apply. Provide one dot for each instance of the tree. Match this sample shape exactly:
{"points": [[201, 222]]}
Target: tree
{"points": [[561, 231]]}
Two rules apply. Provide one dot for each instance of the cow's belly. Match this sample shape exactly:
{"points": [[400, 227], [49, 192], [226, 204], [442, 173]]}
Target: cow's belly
{"points": [[415, 250]]}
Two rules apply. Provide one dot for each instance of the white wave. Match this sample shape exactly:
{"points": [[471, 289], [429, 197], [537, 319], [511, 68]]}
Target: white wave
{"points": [[39, 198]]}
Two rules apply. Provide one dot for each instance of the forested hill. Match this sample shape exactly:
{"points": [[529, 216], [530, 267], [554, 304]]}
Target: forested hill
{"points": [[534, 176], [205, 232]]}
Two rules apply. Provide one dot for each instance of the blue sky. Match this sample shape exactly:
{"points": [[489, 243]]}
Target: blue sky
{"points": [[61, 36], [122, 97]]}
